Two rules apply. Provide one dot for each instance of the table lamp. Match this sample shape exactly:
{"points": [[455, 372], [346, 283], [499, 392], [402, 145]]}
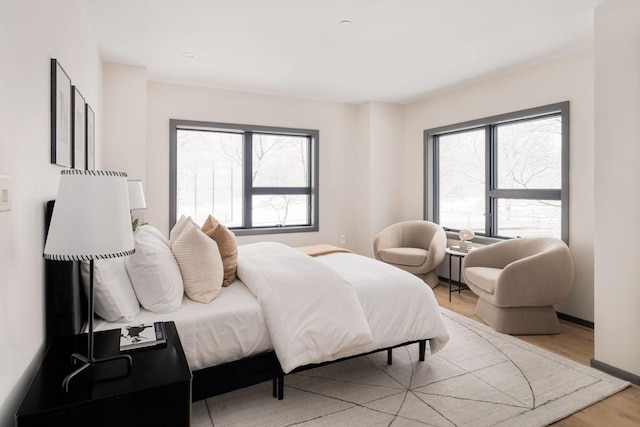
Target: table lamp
{"points": [[136, 199], [90, 221]]}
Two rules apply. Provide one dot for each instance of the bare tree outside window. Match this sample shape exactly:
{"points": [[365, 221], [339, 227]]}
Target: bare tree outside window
{"points": [[530, 154], [502, 176], [209, 177], [246, 177], [530, 157], [462, 180], [280, 161]]}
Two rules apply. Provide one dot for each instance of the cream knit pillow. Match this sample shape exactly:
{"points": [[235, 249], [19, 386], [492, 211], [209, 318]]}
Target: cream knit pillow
{"points": [[200, 263], [178, 228]]}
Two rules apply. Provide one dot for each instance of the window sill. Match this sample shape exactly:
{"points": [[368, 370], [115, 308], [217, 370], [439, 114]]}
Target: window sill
{"points": [[273, 230], [481, 240]]}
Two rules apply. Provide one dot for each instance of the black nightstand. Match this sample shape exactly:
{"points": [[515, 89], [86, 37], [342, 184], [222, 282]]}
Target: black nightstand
{"points": [[157, 390]]}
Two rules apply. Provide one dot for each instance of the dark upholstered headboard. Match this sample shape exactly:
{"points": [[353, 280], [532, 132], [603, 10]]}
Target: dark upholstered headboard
{"points": [[65, 301]]}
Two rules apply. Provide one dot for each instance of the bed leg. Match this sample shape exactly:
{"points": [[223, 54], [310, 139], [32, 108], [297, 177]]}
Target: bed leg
{"points": [[281, 387], [275, 387], [422, 349], [390, 356]]}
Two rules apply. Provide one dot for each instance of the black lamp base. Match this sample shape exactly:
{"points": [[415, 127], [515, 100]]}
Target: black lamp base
{"points": [[90, 360], [86, 363]]}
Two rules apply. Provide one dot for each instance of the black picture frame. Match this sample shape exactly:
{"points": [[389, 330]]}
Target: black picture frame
{"points": [[90, 139], [79, 133], [61, 146]]}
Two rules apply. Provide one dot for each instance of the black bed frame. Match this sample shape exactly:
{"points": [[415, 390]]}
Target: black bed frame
{"points": [[67, 315]]}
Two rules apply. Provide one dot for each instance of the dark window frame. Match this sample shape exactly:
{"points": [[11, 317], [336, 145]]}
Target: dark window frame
{"points": [[248, 189], [492, 193]]}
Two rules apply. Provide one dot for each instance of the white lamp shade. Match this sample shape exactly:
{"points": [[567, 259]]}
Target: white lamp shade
{"points": [[136, 194], [90, 217]]}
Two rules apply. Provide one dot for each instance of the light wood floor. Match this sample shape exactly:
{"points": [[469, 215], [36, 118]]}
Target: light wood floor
{"points": [[575, 343]]}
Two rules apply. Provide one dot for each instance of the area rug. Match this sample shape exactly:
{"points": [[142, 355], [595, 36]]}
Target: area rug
{"points": [[481, 378]]}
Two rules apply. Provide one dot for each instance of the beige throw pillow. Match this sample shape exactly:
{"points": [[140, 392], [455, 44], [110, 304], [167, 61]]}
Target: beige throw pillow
{"points": [[226, 241], [179, 227], [200, 264]]}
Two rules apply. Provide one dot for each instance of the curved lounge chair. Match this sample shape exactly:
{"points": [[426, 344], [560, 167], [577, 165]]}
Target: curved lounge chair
{"points": [[414, 246], [518, 281]]}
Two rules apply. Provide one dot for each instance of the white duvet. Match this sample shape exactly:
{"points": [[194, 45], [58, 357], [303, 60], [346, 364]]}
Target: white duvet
{"points": [[312, 314], [399, 306], [337, 305]]}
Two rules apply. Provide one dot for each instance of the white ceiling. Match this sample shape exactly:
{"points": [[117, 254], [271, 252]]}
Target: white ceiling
{"points": [[393, 51]]}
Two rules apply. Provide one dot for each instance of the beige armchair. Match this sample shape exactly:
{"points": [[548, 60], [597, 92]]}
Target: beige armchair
{"points": [[518, 281], [414, 246]]}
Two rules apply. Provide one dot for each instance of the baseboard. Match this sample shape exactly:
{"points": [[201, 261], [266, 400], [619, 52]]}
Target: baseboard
{"points": [[616, 372], [575, 320]]}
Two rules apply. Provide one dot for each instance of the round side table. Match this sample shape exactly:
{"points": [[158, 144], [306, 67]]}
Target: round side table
{"points": [[455, 251]]}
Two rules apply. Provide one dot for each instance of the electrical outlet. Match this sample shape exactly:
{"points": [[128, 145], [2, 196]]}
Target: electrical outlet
{"points": [[5, 194], [342, 240]]}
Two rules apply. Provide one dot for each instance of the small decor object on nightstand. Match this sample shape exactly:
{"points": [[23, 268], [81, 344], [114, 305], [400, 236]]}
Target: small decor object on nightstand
{"points": [[142, 336], [465, 235], [460, 249]]}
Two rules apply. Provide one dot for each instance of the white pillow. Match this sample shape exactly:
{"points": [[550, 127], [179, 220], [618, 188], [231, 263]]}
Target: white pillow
{"points": [[200, 263], [114, 298], [154, 273], [156, 233]]}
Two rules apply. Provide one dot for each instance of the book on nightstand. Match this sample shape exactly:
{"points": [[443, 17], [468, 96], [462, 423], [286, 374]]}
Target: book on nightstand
{"points": [[142, 336], [459, 249]]}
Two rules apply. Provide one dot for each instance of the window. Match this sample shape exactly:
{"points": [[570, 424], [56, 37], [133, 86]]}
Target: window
{"points": [[503, 176], [253, 179]]}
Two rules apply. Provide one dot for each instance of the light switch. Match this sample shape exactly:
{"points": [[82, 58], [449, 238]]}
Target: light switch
{"points": [[5, 193]]}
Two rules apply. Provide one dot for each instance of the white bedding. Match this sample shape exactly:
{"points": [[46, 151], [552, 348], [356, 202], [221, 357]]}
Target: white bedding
{"points": [[311, 312], [228, 328], [398, 307]]}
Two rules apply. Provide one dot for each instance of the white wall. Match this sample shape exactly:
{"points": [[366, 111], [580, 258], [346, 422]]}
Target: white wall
{"points": [[565, 79], [125, 122], [125, 119], [32, 32], [617, 189], [386, 182], [362, 164], [338, 150], [379, 164]]}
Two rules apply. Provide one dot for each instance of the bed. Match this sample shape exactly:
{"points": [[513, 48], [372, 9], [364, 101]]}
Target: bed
{"points": [[248, 335]]}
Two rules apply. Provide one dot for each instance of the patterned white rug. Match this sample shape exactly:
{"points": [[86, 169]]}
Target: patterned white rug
{"points": [[481, 378]]}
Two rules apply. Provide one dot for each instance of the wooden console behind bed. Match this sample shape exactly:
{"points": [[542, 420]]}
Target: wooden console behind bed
{"points": [[67, 315]]}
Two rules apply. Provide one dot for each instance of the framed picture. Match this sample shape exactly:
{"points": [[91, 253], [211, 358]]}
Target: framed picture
{"points": [[60, 115], [79, 125], [90, 139]]}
